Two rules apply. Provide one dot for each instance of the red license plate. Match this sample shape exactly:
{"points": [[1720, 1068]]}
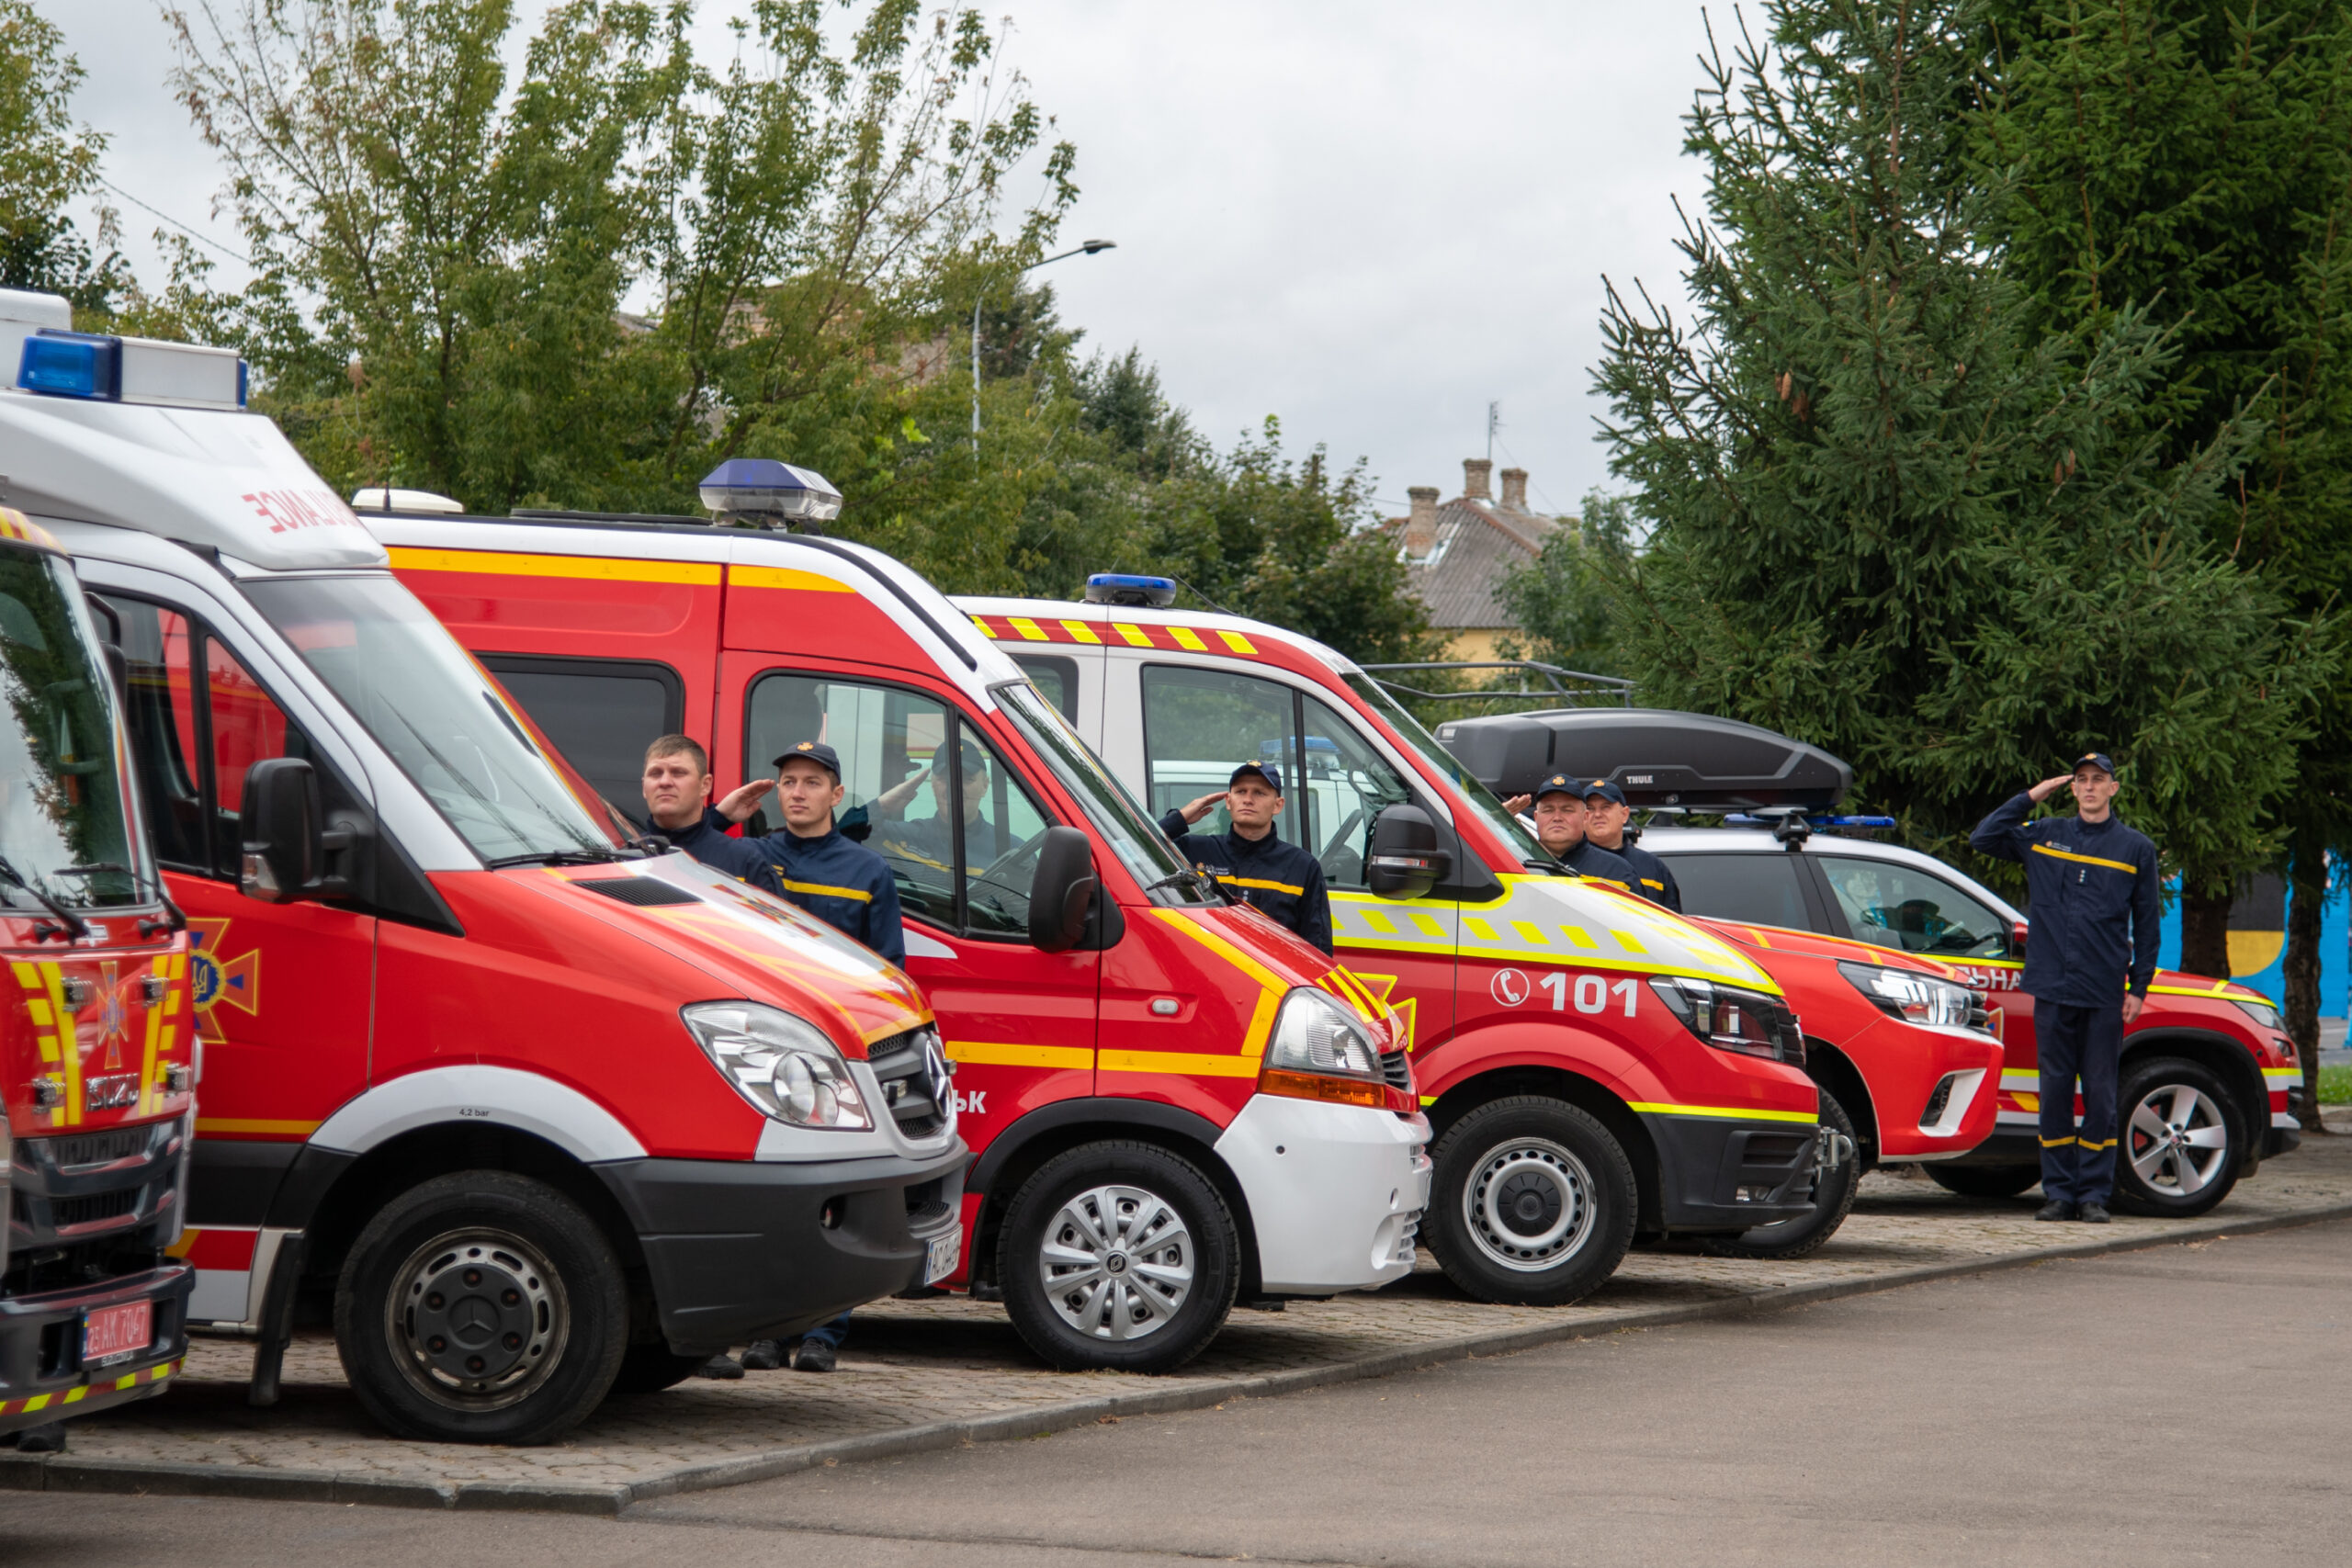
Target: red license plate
{"points": [[117, 1333]]}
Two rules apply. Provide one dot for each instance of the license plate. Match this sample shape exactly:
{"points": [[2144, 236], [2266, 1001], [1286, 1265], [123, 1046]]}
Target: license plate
{"points": [[118, 1333], [944, 1252]]}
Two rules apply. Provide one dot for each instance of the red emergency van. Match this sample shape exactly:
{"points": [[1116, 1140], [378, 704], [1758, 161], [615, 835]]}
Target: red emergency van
{"points": [[1175, 1104], [95, 1041], [1565, 1037], [530, 1113]]}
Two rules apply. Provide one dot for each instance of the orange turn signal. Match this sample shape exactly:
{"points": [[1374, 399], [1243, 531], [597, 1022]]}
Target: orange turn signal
{"points": [[1315, 1085]]}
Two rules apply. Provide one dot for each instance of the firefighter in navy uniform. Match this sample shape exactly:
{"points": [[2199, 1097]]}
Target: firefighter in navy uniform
{"points": [[1251, 862], [1605, 814], [676, 784], [2093, 890], [1560, 824], [849, 887]]}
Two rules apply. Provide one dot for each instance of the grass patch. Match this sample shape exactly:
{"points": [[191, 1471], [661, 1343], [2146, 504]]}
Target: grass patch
{"points": [[2335, 1086]]}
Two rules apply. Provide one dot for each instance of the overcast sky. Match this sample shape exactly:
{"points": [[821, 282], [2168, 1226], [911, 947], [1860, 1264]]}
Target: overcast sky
{"points": [[1368, 218]]}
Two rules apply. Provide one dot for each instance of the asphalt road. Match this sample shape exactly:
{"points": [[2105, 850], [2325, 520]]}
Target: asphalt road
{"points": [[2176, 1405]]}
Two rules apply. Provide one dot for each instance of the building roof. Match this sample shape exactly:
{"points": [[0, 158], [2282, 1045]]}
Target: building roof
{"points": [[1477, 543]]}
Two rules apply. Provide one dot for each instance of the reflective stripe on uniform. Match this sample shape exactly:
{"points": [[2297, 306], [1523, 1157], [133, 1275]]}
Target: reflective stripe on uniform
{"points": [[2087, 860], [820, 889], [1269, 886]]}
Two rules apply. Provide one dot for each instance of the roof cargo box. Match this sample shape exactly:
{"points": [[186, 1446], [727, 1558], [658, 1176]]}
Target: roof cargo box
{"points": [[1656, 756]]}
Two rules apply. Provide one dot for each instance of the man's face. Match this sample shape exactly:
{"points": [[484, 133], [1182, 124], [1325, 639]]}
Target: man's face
{"points": [[674, 789], [1605, 820], [807, 795], [975, 789], [2094, 788], [1559, 822], [1252, 803]]}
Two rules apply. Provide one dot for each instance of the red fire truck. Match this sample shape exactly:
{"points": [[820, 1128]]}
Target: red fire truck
{"points": [[1175, 1104], [1566, 1036], [95, 1043], [530, 1113]]}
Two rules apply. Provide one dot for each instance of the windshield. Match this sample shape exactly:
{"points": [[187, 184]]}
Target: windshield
{"points": [[1140, 846], [440, 717], [1443, 764], [64, 820]]}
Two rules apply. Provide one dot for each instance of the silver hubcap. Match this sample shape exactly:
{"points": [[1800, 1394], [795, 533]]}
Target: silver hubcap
{"points": [[1529, 1205], [1117, 1263], [2178, 1139], [477, 1319]]}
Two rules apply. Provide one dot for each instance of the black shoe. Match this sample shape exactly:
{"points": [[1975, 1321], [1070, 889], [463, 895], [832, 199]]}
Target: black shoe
{"points": [[2058, 1209], [2093, 1214], [46, 1438], [722, 1366], [762, 1356], [814, 1356]]}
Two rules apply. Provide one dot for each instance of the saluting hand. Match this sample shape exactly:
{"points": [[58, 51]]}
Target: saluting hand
{"points": [[2049, 787], [1517, 802], [739, 804], [1198, 809]]}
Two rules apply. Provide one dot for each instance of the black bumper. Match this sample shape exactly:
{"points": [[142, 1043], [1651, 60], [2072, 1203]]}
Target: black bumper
{"points": [[41, 1375], [742, 1250], [1705, 1165]]}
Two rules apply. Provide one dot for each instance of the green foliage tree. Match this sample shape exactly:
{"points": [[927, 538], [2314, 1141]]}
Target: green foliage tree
{"points": [[2194, 161], [47, 160], [1889, 518], [1563, 601]]}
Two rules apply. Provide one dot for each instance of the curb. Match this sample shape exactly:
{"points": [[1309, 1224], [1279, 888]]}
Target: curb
{"points": [[64, 1472]]}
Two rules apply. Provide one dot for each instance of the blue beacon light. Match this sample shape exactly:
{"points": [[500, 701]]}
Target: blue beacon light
{"points": [[1126, 587], [755, 488], [71, 365]]}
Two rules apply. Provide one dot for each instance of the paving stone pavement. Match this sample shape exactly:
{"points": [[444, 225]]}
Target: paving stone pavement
{"points": [[913, 1368]]}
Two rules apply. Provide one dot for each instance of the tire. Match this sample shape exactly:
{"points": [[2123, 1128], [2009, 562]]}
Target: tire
{"points": [[2178, 1140], [1833, 1200], [506, 1267], [1982, 1181], [649, 1369], [1570, 1189], [1095, 1303]]}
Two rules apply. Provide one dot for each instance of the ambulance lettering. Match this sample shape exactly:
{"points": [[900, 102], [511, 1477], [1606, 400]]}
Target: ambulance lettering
{"points": [[286, 510]]}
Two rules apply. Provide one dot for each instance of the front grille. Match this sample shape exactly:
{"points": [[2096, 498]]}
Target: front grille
{"points": [[1788, 1030], [98, 1148], [65, 1212], [645, 892], [902, 1065], [1397, 1070], [1979, 1014], [1777, 1148], [922, 1217]]}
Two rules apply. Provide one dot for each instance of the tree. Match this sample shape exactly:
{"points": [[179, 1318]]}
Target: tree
{"points": [[46, 161], [1564, 601], [2196, 163], [1887, 518]]}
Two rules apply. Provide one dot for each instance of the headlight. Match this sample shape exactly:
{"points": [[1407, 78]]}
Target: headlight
{"points": [[783, 1065], [1913, 998], [1732, 1020], [2264, 1015], [1322, 1051]]}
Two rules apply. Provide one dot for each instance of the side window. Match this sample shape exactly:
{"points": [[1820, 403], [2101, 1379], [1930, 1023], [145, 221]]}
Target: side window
{"points": [[1890, 904], [1761, 888], [1199, 725], [1347, 786], [162, 716], [1001, 829], [600, 714], [1055, 678], [247, 727]]}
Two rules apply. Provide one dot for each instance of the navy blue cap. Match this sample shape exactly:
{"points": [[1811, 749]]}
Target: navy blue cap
{"points": [[1607, 791], [975, 761], [2098, 760], [816, 752], [1560, 783], [1266, 771]]}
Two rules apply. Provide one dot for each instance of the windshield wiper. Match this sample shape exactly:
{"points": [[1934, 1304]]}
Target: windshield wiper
{"points": [[1550, 867], [75, 926], [559, 857], [1201, 881]]}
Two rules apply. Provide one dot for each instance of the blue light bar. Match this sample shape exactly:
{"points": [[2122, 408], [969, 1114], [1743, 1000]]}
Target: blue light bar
{"points": [[762, 486], [71, 364], [1125, 588]]}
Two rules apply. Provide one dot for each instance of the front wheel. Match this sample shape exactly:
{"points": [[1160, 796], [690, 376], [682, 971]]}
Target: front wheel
{"points": [[1532, 1203], [2179, 1141], [481, 1307], [1836, 1177], [1118, 1257]]}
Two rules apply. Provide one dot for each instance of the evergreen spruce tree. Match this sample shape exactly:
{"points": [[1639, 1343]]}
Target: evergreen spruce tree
{"points": [[1889, 517]]}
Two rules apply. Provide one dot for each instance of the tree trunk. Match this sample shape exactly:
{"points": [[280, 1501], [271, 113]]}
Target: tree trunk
{"points": [[2306, 901], [2205, 934]]}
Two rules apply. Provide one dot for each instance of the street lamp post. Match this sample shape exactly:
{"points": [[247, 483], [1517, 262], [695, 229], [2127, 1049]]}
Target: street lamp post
{"points": [[1089, 248]]}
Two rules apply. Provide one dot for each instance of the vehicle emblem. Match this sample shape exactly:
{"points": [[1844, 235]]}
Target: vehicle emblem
{"points": [[111, 1092], [1508, 987], [214, 979], [935, 1072]]}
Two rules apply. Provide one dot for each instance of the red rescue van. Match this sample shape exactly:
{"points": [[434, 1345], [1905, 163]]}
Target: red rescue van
{"points": [[1569, 1037], [530, 1113], [95, 1043], [1175, 1104]]}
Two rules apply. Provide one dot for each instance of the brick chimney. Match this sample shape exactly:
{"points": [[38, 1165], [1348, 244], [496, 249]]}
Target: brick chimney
{"points": [[1514, 490], [1420, 527], [1473, 477]]}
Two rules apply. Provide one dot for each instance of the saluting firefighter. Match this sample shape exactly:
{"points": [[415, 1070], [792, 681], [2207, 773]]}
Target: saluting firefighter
{"points": [[1605, 815], [1252, 862], [2091, 885], [676, 784], [1560, 827]]}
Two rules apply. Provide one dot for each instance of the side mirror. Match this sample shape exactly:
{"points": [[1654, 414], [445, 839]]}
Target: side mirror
{"points": [[1061, 891], [283, 847], [1405, 861]]}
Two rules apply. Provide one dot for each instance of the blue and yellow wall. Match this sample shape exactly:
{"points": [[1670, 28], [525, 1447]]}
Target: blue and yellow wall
{"points": [[2258, 941]]}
